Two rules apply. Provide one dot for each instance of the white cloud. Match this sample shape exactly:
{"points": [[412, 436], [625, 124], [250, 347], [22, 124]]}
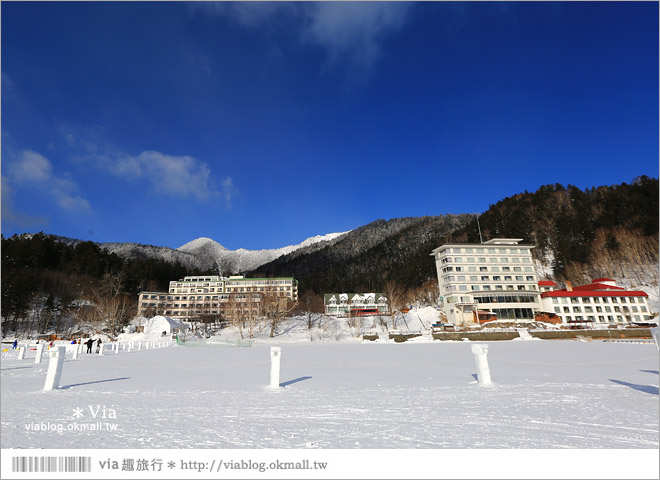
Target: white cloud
{"points": [[350, 33], [179, 176], [34, 169]]}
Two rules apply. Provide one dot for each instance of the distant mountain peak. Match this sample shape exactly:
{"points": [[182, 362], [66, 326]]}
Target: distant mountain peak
{"points": [[201, 242]]}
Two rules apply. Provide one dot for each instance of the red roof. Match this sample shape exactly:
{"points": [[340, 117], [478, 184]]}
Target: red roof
{"points": [[597, 293], [597, 286], [596, 280], [546, 283]]}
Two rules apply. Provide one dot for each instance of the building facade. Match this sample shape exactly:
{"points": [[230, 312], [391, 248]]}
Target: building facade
{"points": [[194, 296], [494, 279], [600, 302], [355, 303]]}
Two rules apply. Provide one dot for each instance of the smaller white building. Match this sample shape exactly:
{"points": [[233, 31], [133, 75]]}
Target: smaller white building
{"points": [[355, 303], [600, 302], [158, 325]]}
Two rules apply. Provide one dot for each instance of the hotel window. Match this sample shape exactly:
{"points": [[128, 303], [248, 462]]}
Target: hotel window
{"points": [[495, 269], [506, 269], [460, 278], [515, 260], [459, 269], [480, 250], [503, 250], [472, 269], [496, 278], [484, 278], [473, 278], [557, 310], [567, 310], [507, 278], [608, 309], [575, 300], [588, 309], [519, 278], [601, 318], [599, 308], [555, 300], [462, 288], [499, 287], [614, 300]]}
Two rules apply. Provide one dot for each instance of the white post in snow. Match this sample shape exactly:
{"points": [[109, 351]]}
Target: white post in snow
{"points": [[129, 347], [21, 353], [275, 358], [101, 348], [54, 368], [40, 352], [480, 352], [655, 333], [139, 346], [116, 347], [80, 347], [123, 347], [75, 353]]}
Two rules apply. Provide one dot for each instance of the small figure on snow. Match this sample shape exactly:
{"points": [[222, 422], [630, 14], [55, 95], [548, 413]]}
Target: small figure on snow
{"points": [[89, 344], [14, 345], [98, 345], [52, 342]]}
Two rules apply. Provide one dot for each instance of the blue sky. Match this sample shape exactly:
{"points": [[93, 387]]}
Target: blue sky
{"points": [[262, 124]]}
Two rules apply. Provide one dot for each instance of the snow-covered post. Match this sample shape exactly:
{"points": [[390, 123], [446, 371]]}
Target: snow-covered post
{"points": [[275, 358], [75, 353], [40, 352], [101, 348], [21, 353], [129, 347], [655, 333], [54, 368], [480, 352], [139, 346], [116, 347]]}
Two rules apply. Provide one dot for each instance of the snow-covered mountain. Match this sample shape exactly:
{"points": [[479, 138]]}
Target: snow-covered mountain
{"points": [[211, 254]]}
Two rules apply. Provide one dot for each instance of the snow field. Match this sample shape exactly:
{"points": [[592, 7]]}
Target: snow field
{"points": [[545, 394]]}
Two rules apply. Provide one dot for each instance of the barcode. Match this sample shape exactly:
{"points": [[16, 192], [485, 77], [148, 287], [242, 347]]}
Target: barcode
{"points": [[51, 464]]}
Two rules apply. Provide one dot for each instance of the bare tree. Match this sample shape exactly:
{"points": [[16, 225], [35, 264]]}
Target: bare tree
{"points": [[311, 307], [395, 295]]}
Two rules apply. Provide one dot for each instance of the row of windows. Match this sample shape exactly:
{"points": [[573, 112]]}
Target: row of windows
{"points": [[577, 300], [483, 260], [604, 318], [504, 299], [480, 288], [486, 278], [514, 313], [486, 269], [490, 250], [599, 309]]}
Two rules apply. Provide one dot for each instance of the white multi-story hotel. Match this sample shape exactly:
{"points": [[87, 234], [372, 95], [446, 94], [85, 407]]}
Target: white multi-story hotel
{"points": [[485, 280], [193, 296], [600, 302]]}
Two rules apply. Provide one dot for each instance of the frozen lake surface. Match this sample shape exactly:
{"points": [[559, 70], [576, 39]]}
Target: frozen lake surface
{"points": [[545, 394]]}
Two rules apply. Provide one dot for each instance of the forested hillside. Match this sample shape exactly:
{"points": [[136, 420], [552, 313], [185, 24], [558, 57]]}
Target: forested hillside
{"points": [[367, 257], [582, 234]]}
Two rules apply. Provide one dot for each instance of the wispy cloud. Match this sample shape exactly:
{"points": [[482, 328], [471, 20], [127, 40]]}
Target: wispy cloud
{"points": [[179, 176], [171, 175], [349, 33], [33, 169]]}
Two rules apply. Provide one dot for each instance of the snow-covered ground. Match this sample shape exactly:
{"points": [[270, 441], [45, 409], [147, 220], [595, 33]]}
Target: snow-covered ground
{"points": [[343, 394]]}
